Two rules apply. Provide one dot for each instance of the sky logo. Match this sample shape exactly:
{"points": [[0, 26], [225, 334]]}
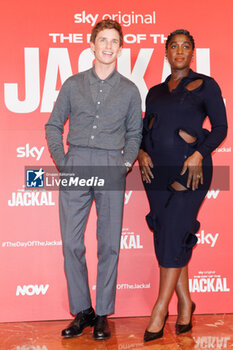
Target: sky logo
{"points": [[35, 178]]}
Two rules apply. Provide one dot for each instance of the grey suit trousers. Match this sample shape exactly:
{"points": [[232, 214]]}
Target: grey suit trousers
{"points": [[74, 208]]}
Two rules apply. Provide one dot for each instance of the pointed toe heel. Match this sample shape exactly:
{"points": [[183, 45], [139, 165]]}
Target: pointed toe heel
{"points": [[183, 328], [148, 336]]}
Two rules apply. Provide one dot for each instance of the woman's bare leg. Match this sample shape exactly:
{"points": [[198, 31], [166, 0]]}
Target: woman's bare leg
{"points": [[184, 298], [168, 282]]}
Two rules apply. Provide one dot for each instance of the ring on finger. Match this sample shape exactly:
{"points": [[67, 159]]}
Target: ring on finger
{"points": [[198, 176], [142, 172]]}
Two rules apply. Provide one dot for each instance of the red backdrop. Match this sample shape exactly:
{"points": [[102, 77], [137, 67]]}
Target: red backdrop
{"points": [[42, 43]]}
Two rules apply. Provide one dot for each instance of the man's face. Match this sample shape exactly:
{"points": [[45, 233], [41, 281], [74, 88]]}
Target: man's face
{"points": [[107, 46]]}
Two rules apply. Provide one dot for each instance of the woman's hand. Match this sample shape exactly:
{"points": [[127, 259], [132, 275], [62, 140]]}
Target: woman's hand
{"points": [[145, 164], [195, 173]]}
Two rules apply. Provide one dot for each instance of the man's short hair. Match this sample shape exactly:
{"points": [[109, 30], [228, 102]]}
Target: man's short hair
{"points": [[106, 24]]}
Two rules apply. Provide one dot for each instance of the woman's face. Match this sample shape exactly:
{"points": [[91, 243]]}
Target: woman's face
{"points": [[179, 52]]}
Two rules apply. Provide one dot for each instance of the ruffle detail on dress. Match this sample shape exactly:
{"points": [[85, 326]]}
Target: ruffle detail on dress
{"points": [[151, 221], [190, 239]]}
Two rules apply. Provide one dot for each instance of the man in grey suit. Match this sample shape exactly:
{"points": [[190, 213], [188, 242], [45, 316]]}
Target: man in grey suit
{"points": [[105, 125]]}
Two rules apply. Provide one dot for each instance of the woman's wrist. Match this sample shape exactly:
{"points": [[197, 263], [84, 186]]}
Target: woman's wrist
{"points": [[197, 154]]}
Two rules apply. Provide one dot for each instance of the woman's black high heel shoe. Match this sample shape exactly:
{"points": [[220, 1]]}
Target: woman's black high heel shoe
{"points": [[148, 336], [183, 328]]}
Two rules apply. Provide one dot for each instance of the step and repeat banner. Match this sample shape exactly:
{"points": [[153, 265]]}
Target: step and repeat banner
{"points": [[42, 44]]}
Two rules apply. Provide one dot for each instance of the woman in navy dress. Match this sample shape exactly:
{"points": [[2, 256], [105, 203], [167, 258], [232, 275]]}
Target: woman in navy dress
{"points": [[176, 166]]}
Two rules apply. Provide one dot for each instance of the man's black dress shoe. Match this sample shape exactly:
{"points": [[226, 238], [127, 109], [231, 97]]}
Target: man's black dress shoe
{"points": [[101, 328], [183, 328], [82, 320], [148, 336]]}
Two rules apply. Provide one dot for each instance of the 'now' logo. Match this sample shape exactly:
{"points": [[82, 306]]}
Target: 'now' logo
{"points": [[32, 289]]}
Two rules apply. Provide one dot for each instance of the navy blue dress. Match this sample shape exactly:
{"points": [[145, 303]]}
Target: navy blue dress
{"points": [[173, 213]]}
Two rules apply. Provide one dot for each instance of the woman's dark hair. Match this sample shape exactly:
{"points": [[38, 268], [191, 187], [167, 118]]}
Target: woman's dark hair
{"points": [[180, 31]]}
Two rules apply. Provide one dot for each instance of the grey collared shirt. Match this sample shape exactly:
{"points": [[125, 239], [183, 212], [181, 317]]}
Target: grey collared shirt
{"points": [[103, 114]]}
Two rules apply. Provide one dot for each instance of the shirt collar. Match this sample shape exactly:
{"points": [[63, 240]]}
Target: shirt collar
{"points": [[111, 79]]}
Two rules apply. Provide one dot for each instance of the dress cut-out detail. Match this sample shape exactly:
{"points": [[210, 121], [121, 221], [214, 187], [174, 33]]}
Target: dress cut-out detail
{"points": [[178, 187], [195, 84], [150, 125], [186, 136]]}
